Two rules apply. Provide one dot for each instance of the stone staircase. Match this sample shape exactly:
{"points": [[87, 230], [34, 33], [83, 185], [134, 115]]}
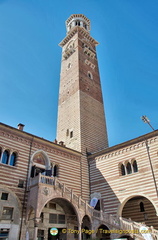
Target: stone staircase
{"points": [[117, 224]]}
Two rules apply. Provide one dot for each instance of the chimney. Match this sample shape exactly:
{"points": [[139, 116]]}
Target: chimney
{"points": [[55, 141], [21, 126], [61, 143]]}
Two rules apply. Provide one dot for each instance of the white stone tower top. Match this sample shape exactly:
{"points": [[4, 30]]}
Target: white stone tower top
{"points": [[77, 20]]}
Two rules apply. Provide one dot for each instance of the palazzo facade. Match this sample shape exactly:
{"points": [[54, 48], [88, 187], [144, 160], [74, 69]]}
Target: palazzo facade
{"points": [[77, 187]]}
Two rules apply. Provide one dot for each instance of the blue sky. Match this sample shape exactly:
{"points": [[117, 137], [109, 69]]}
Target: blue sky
{"points": [[30, 31]]}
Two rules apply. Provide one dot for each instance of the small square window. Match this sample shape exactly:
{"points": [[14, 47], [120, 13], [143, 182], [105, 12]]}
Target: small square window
{"points": [[4, 196], [21, 183], [53, 218], [61, 219]]}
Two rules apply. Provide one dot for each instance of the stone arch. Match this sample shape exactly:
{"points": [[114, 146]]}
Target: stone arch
{"points": [[3, 187], [11, 211], [103, 232], [86, 227], [50, 212], [124, 201], [147, 213], [45, 162], [60, 199], [44, 154], [121, 169]]}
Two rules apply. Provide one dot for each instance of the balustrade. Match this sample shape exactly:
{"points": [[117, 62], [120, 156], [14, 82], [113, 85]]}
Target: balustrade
{"points": [[117, 223]]}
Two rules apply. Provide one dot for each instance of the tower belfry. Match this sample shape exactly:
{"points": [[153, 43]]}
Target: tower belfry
{"points": [[81, 120]]}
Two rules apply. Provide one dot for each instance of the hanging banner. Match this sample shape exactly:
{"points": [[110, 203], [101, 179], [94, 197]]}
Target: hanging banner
{"points": [[93, 202]]}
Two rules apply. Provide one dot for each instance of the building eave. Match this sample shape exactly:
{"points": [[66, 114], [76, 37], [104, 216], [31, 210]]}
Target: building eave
{"points": [[31, 137], [72, 33], [124, 144]]}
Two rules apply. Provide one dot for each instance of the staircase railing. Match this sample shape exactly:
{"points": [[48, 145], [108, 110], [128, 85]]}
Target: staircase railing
{"points": [[128, 226], [133, 228]]}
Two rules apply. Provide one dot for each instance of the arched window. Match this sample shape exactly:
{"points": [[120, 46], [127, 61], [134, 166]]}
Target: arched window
{"points": [[12, 159], [135, 167], [77, 23], [85, 26], [90, 75], [123, 170], [69, 65], [129, 169], [38, 165], [5, 157], [55, 171], [141, 205]]}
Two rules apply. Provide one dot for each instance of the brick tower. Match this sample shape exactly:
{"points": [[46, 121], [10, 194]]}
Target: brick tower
{"points": [[81, 120]]}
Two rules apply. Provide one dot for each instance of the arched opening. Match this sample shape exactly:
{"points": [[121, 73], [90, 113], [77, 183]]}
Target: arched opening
{"points": [[135, 167], [129, 169], [90, 75], [77, 23], [40, 164], [5, 157], [123, 170], [140, 209], [69, 65], [55, 171], [13, 159], [57, 213], [141, 205], [103, 233], [86, 228]]}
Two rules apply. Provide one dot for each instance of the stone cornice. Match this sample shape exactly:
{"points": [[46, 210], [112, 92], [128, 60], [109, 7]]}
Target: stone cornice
{"points": [[26, 138], [73, 32], [125, 146], [77, 15]]}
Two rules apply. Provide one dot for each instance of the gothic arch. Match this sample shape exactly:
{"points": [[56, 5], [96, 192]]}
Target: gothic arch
{"points": [[125, 200], [44, 154], [88, 218], [103, 232]]}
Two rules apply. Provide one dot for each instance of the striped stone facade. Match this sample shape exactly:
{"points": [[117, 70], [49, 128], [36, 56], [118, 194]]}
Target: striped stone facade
{"points": [[26, 146], [47, 184], [122, 194], [83, 126]]}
